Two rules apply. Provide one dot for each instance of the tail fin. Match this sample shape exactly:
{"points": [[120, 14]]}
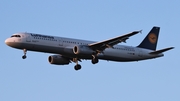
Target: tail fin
{"points": [[150, 42]]}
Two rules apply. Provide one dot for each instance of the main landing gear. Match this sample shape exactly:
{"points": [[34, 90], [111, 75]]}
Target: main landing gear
{"points": [[24, 56], [94, 59], [77, 66]]}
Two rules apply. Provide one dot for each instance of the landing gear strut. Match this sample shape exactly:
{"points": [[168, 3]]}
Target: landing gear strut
{"points": [[77, 66], [24, 56], [94, 59]]}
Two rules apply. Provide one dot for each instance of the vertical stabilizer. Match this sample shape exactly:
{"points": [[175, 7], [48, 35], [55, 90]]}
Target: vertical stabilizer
{"points": [[150, 41]]}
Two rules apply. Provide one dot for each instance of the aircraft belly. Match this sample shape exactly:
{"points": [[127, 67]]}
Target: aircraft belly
{"points": [[39, 47], [117, 55]]}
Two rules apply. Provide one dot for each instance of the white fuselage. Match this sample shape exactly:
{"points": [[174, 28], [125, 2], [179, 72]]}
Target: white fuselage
{"points": [[64, 46]]}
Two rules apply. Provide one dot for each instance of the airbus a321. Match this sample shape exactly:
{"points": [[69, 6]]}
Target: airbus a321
{"points": [[68, 50]]}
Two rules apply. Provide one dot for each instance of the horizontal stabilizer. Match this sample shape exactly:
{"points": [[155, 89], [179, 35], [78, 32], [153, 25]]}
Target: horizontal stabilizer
{"points": [[161, 51]]}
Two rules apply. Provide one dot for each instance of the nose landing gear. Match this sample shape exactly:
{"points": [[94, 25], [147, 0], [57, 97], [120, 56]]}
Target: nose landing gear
{"points": [[24, 56]]}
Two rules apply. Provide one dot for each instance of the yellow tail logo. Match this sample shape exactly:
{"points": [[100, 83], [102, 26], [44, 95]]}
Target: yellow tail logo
{"points": [[152, 38]]}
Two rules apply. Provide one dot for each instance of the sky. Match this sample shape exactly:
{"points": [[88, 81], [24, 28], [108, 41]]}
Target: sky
{"points": [[34, 79]]}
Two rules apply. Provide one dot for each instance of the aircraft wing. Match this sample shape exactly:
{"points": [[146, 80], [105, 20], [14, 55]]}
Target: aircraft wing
{"points": [[100, 46]]}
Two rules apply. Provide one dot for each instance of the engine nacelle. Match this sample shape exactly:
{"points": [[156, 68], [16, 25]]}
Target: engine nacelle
{"points": [[58, 60], [82, 50]]}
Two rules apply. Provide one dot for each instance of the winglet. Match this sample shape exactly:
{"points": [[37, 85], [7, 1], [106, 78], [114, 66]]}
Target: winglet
{"points": [[161, 51], [140, 31]]}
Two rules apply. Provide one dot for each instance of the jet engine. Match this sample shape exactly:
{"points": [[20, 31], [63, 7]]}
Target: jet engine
{"points": [[82, 50], [58, 60]]}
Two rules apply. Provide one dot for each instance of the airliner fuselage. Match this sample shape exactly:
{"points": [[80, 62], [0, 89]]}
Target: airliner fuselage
{"points": [[73, 50]]}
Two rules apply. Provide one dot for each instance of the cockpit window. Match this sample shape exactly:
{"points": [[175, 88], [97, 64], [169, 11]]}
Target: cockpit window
{"points": [[16, 36]]}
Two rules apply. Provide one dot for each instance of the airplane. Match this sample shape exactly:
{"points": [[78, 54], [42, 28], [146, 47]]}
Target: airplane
{"points": [[68, 50]]}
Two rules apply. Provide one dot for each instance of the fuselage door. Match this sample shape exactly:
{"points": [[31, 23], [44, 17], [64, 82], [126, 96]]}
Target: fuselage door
{"points": [[60, 41], [28, 38]]}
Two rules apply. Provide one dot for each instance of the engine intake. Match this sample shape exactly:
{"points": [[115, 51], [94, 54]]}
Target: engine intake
{"points": [[82, 50], [58, 60]]}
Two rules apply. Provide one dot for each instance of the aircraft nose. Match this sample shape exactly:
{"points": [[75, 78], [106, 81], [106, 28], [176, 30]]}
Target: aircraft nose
{"points": [[7, 41]]}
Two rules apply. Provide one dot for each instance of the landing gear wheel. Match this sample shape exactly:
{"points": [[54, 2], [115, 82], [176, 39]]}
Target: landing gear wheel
{"points": [[24, 57], [77, 67]]}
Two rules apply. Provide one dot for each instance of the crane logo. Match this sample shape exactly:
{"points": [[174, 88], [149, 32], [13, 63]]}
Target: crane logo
{"points": [[152, 38]]}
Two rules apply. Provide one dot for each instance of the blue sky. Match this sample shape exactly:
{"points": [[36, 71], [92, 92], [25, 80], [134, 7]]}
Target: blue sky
{"points": [[34, 79]]}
